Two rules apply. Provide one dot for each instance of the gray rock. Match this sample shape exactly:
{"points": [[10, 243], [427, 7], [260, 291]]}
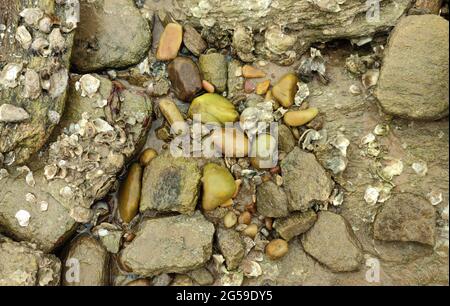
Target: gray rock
{"points": [[305, 180], [87, 256], [271, 200], [65, 191], [406, 217], [171, 184], [111, 34], [231, 246], [170, 245], [193, 40], [235, 81], [295, 225], [110, 236], [19, 137], [286, 140], [215, 70], [202, 277], [414, 77], [21, 264], [332, 242]]}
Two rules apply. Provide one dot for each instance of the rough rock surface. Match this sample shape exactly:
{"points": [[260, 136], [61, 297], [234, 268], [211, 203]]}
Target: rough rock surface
{"points": [[286, 141], [21, 264], [215, 70], [171, 184], [89, 256], [170, 245], [305, 22], [296, 224], [414, 76], [63, 185], [406, 217], [332, 242], [305, 181], [112, 34], [271, 200], [18, 141], [231, 246]]}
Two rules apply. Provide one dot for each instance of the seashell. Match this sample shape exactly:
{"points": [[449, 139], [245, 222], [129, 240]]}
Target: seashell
{"points": [[368, 139], [31, 198], [50, 171], [9, 75], [53, 116], [89, 85], [341, 143], [23, 37], [102, 126], [254, 119], [66, 192], [435, 197], [355, 90], [58, 83], [23, 217], [370, 78], [56, 41], [302, 93], [31, 16], [420, 168], [41, 46], [11, 113], [381, 130], [32, 85], [371, 195], [45, 25], [43, 206], [394, 168], [29, 179], [251, 268]]}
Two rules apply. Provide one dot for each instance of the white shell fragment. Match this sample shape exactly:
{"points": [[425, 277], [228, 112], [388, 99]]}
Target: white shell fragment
{"points": [[58, 83], [32, 16], [43, 206], [394, 168], [53, 116], [381, 129], [41, 46], [368, 139], [251, 268], [355, 90], [371, 196], [31, 198], [57, 41], [32, 85], [3, 174], [29, 179], [420, 168], [89, 85], [23, 217], [254, 119], [23, 37], [66, 192], [370, 78], [435, 197], [341, 143], [302, 93], [45, 25], [9, 75], [102, 126], [11, 113]]}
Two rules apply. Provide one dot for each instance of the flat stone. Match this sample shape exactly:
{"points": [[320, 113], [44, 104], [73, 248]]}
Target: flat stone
{"points": [[305, 180], [406, 217], [271, 200], [332, 242], [215, 70], [110, 35], [185, 77], [295, 225], [414, 76], [171, 184], [231, 246], [21, 264], [170, 245], [193, 40], [87, 256], [202, 276]]}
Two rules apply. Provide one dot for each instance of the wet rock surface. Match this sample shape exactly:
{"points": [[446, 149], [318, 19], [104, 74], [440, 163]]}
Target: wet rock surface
{"points": [[185, 88], [21, 264], [414, 77], [171, 184], [272, 200], [89, 256], [214, 69], [408, 218], [300, 168], [170, 245], [231, 246], [295, 225], [111, 34]]}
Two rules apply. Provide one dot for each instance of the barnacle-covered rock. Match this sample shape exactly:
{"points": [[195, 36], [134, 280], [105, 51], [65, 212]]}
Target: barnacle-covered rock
{"points": [[28, 64], [79, 167], [111, 34]]}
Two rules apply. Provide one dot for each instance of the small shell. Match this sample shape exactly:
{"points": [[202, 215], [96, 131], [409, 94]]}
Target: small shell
{"points": [[3, 174], [381, 130], [45, 25], [435, 197], [251, 268], [43, 206], [66, 192], [58, 83], [54, 117], [57, 41], [32, 16], [368, 139], [41, 46], [31, 198], [355, 90], [302, 93], [24, 37], [102, 126], [341, 143], [394, 168], [9, 75], [23, 217], [32, 85], [50, 171], [89, 85], [371, 195], [420, 168], [370, 78], [30, 179]]}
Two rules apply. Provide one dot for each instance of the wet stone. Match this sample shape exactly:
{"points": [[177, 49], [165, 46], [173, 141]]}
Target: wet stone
{"points": [[170, 184], [286, 140], [231, 246], [295, 224], [235, 81], [408, 218], [202, 276], [21, 264], [214, 69], [271, 200], [332, 242], [194, 41], [170, 245], [92, 259], [305, 180], [185, 77]]}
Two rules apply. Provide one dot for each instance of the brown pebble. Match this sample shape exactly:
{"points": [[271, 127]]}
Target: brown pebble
{"points": [[268, 222], [130, 194], [185, 78], [170, 42], [245, 218], [230, 219], [147, 156], [276, 249], [251, 208], [194, 41], [251, 231], [249, 86], [275, 170], [208, 87], [250, 72]]}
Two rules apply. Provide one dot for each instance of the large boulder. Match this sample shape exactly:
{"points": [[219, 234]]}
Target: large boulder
{"points": [[21, 264], [332, 242], [86, 263], [414, 77], [112, 34], [169, 245], [95, 138], [406, 217], [33, 75]]}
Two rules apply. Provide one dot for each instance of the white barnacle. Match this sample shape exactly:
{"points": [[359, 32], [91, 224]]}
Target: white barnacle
{"points": [[9, 75], [23, 37], [50, 171], [58, 83], [31, 16], [102, 126], [23, 217], [371, 195], [43, 206], [56, 41], [420, 168], [32, 85], [89, 85], [31, 198], [41, 46], [66, 192]]}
